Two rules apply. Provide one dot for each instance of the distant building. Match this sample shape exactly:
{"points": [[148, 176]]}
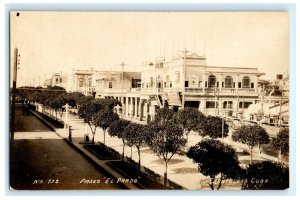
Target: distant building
{"points": [[57, 79], [82, 81], [184, 81]]}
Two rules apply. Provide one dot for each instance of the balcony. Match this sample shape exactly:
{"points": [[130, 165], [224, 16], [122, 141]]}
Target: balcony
{"points": [[135, 89], [223, 91]]}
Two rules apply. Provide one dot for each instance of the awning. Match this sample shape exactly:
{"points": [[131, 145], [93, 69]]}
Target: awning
{"points": [[173, 99], [154, 100]]}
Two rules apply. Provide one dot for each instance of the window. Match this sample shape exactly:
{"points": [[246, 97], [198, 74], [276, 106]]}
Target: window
{"points": [[200, 84], [80, 83], [109, 84], [246, 82], [228, 82], [244, 104], [211, 104], [211, 81], [56, 80], [170, 84], [240, 84], [252, 85], [227, 104], [60, 80], [186, 83]]}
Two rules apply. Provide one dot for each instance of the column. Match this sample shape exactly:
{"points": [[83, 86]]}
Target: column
{"points": [[141, 110], [135, 108], [221, 80], [256, 84], [204, 80], [131, 107], [237, 82], [126, 107]]}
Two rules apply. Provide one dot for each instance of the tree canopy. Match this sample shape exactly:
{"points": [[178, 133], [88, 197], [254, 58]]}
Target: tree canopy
{"points": [[163, 115], [190, 119], [165, 140], [135, 136], [215, 158], [104, 118], [251, 135], [266, 175], [281, 142], [117, 128], [212, 127]]}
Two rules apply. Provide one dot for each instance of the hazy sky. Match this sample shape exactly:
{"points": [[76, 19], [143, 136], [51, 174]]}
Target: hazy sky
{"points": [[59, 41]]}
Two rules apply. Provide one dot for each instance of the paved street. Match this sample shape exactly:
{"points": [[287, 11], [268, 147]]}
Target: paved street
{"points": [[43, 160]]}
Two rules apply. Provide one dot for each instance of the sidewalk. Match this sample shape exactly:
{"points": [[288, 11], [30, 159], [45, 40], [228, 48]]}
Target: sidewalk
{"points": [[181, 169]]}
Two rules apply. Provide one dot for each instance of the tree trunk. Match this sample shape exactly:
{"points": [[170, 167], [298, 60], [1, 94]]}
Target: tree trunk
{"points": [[187, 138], [123, 150], [93, 139], [251, 148], [211, 184], [166, 175], [259, 148], [139, 153], [220, 183], [104, 135], [279, 155]]}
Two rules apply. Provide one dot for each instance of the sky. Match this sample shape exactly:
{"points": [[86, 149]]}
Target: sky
{"points": [[52, 42]]}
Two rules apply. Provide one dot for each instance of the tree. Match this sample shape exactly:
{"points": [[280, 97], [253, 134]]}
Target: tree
{"points": [[214, 158], [163, 115], [266, 175], [165, 140], [104, 118], [281, 142], [251, 135], [190, 119], [135, 136], [212, 127], [87, 111], [117, 129]]}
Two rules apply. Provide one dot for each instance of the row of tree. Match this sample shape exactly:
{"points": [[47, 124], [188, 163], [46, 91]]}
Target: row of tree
{"points": [[168, 134]]}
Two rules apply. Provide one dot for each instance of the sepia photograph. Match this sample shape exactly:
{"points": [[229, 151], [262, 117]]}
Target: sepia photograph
{"points": [[149, 100]]}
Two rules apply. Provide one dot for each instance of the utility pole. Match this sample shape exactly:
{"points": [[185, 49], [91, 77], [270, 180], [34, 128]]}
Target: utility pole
{"points": [[13, 100], [122, 95], [184, 72]]}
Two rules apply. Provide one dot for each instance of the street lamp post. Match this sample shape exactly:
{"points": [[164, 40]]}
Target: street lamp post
{"points": [[67, 115], [13, 100]]}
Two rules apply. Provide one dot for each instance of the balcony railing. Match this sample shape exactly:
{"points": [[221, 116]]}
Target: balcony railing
{"points": [[221, 90]]}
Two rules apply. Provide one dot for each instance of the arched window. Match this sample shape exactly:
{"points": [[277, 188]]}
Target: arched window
{"points": [[212, 81], [246, 82], [228, 82]]}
